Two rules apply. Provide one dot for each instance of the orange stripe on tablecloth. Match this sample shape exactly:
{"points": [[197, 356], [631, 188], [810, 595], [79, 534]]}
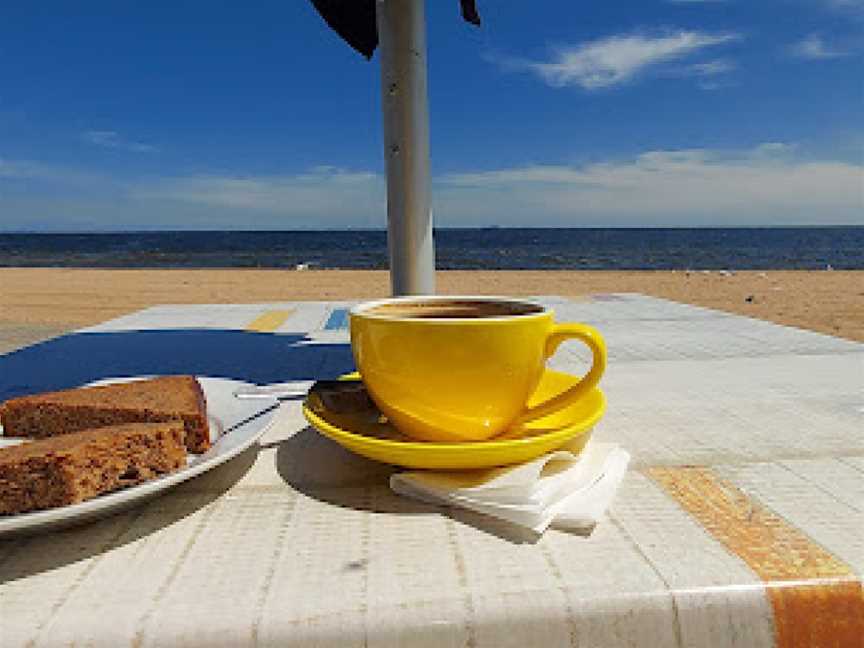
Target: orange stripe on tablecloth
{"points": [[816, 598], [269, 321]]}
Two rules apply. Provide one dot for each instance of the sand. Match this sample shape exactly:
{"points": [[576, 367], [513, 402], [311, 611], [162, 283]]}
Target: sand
{"points": [[830, 302]]}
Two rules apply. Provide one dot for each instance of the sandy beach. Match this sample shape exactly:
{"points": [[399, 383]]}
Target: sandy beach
{"points": [[49, 299]]}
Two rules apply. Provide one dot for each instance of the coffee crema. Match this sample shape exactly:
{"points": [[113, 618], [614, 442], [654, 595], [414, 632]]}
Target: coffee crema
{"points": [[456, 309]]}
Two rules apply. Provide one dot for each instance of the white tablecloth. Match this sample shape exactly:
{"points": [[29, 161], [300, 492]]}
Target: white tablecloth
{"points": [[739, 524]]}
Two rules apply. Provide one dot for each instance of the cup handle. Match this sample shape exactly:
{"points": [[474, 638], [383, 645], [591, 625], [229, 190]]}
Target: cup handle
{"points": [[594, 341]]}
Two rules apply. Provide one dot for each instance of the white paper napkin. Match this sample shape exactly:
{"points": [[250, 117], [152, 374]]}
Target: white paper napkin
{"points": [[565, 489]]}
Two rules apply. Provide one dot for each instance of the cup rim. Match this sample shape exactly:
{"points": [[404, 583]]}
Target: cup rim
{"points": [[362, 309]]}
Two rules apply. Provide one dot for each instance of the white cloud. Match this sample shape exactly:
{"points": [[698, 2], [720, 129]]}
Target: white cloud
{"points": [[773, 149], [813, 47], [758, 186], [27, 170], [113, 140], [617, 59], [710, 84], [846, 4], [323, 191], [769, 184], [10, 169], [711, 68], [710, 75]]}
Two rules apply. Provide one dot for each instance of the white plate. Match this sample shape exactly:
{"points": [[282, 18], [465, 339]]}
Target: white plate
{"points": [[235, 424]]}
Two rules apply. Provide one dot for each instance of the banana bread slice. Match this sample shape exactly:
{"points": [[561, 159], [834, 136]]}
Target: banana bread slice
{"points": [[75, 467], [139, 401]]}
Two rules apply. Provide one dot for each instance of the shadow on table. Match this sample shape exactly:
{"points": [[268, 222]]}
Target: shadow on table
{"points": [[79, 358], [41, 551], [323, 470]]}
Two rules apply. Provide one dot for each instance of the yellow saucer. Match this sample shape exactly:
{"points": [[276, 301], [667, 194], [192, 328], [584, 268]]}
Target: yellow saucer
{"points": [[365, 434]]}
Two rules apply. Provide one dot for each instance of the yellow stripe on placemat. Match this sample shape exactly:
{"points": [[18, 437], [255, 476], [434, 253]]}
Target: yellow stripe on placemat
{"points": [[268, 321], [816, 598]]}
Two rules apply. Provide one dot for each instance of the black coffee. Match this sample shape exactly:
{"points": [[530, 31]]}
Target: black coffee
{"points": [[457, 309]]}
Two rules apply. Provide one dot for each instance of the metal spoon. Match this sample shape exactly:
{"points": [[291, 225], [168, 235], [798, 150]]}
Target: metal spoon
{"points": [[337, 396], [277, 390]]}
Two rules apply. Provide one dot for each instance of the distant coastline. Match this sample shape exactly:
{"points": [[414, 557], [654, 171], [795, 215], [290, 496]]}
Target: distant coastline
{"points": [[488, 248], [382, 228]]}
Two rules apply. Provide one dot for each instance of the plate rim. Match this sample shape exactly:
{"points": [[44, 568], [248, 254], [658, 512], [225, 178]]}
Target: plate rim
{"points": [[33, 519]]}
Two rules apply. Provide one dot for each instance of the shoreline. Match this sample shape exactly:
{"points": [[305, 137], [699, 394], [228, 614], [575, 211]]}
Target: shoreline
{"points": [[830, 302], [438, 271]]}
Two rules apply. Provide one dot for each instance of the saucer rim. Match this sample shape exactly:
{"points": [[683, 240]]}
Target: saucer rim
{"points": [[566, 432]]}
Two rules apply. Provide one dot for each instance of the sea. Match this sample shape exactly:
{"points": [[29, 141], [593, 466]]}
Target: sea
{"points": [[805, 248]]}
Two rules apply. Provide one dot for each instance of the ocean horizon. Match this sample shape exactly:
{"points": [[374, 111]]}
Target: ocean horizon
{"points": [[488, 248]]}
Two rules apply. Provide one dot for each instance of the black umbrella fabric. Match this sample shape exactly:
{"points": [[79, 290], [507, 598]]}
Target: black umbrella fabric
{"points": [[354, 21]]}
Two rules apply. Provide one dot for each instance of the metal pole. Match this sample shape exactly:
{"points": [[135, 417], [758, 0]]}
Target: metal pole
{"points": [[402, 38]]}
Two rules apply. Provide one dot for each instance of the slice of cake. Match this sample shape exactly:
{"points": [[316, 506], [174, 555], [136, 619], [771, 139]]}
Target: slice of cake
{"points": [[75, 467], [141, 401]]}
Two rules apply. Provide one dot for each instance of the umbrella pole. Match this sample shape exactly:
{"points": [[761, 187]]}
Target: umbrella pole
{"points": [[405, 105]]}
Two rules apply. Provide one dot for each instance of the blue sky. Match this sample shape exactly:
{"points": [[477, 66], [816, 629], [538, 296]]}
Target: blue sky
{"points": [[209, 115]]}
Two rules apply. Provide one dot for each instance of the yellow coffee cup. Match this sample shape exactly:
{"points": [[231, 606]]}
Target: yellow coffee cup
{"points": [[463, 368]]}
